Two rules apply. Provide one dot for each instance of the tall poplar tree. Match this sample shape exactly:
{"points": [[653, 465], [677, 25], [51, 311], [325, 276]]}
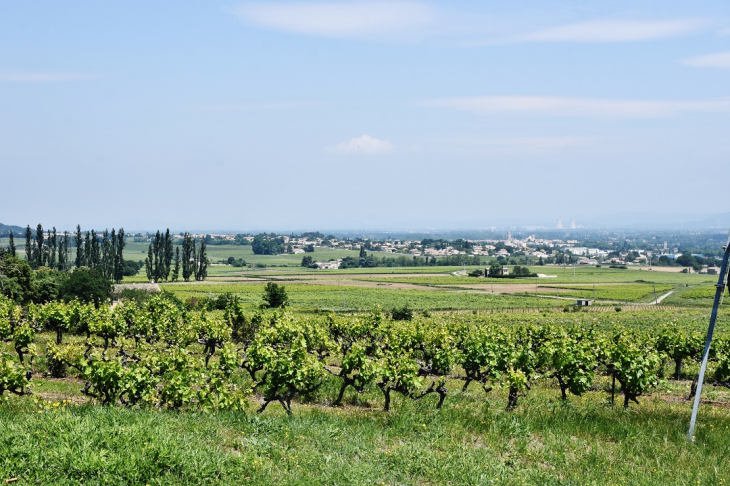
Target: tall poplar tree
{"points": [[39, 246], [167, 251], [158, 262], [62, 251], [29, 245], [176, 269], [79, 247], [53, 247], [87, 250], [105, 252], [66, 253], [119, 258], [11, 246], [95, 251], [201, 268], [188, 249], [148, 265]]}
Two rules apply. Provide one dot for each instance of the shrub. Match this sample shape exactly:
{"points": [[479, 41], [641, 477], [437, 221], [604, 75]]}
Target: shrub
{"points": [[275, 296], [402, 314], [87, 285]]}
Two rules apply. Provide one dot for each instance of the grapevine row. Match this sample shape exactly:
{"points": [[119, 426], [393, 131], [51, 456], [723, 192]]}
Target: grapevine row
{"points": [[162, 354]]}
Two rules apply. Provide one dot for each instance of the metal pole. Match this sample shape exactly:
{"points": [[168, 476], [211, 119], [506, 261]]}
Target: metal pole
{"points": [[711, 328]]}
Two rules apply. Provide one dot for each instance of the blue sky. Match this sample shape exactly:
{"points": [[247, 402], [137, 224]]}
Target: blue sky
{"points": [[361, 114]]}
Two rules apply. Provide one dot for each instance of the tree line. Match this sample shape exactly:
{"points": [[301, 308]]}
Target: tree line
{"points": [[164, 264], [52, 250], [365, 260]]}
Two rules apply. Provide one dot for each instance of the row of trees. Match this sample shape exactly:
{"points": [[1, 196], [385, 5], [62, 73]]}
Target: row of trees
{"points": [[366, 260], [160, 265], [51, 250]]}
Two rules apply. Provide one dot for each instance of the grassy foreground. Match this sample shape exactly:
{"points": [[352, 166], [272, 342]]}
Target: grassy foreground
{"points": [[470, 441]]}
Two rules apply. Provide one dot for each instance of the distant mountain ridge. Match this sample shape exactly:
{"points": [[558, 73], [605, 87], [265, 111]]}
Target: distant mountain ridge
{"points": [[5, 230]]}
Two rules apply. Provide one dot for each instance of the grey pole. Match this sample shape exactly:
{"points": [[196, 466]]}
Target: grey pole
{"points": [[703, 367]]}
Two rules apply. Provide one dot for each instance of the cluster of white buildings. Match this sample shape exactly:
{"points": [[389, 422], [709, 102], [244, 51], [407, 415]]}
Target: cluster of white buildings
{"points": [[530, 246]]}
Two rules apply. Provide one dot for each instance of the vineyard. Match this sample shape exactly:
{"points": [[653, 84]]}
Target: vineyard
{"points": [[447, 381], [628, 292], [163, 354], [701, 293], [559, 275], [331, 297]]}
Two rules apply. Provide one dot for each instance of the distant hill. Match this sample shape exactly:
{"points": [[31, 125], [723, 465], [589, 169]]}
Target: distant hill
{"points": [[6, 229]]}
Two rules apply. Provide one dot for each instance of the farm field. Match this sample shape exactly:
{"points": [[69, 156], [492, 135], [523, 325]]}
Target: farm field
{"points": [[704, 292], [561, 275], [60, 436], [334, 297], [615, 292], [446, 288]]}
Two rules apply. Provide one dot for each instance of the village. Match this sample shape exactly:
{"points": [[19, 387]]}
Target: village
{"points": [[531, 249]]}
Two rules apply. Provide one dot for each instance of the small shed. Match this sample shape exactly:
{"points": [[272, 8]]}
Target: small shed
{"points": [[583, 302]]}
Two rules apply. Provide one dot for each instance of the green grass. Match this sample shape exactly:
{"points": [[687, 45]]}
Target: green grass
{"points": [[472, 440]]}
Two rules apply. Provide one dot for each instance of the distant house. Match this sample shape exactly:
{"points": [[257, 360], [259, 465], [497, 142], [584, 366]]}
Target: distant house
{"points": [[298, 251], [333, 265]]}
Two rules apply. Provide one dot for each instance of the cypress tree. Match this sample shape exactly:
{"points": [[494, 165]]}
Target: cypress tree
{"points": [[104, 253], [28, 245], [67, 254], [159, 262], [195, 258], [53, 246], [176, 270], [187, 256], [148, 264], [119, 259], [11, 247], [168, 254], [34, 252], [39, 246], [62, 252], [113, 255], [87, 250], [202, 267], [95, 251], [79, 247]]}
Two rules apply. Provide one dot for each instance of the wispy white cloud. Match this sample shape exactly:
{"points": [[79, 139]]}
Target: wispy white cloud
{"points": [[360, 19], [610, 31], [254, 106], [365, 144], [35, 77], [579, 107], [717, 59]]}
